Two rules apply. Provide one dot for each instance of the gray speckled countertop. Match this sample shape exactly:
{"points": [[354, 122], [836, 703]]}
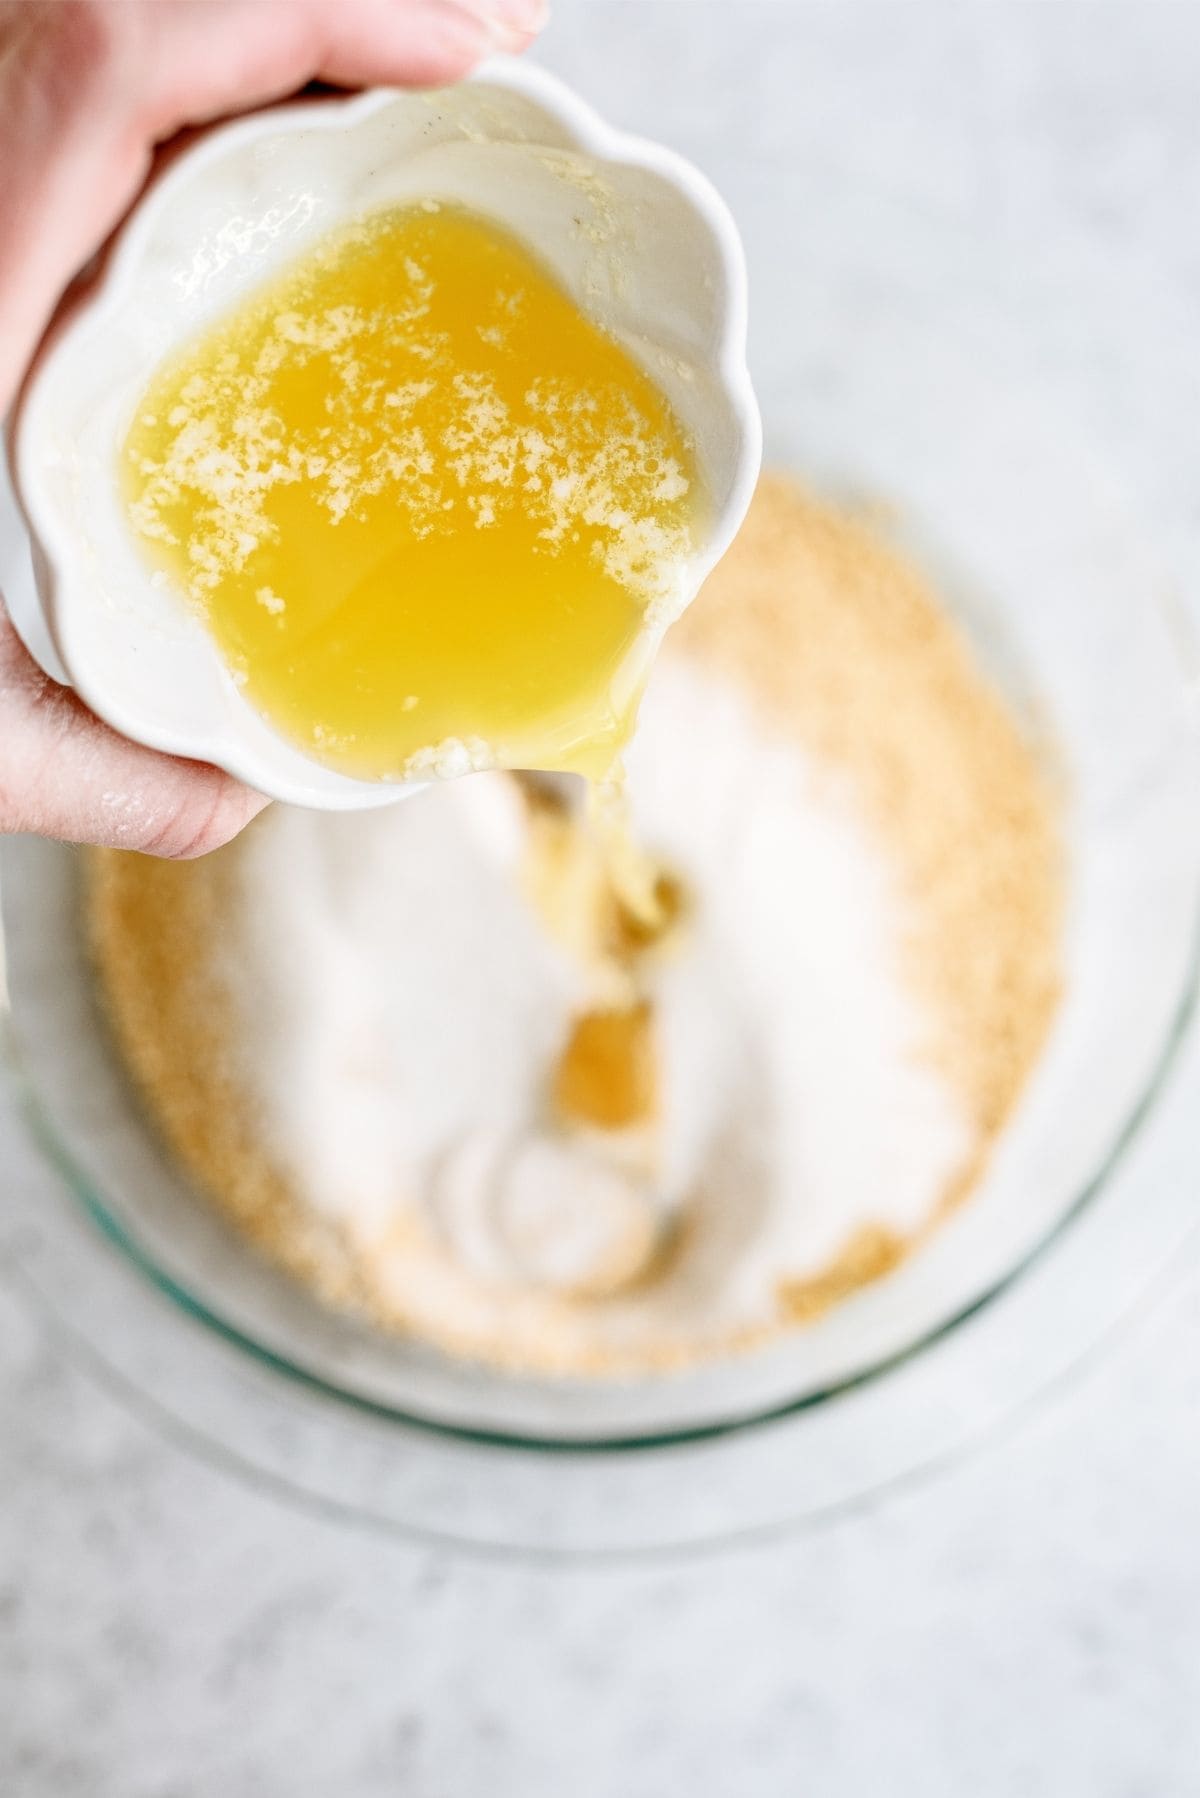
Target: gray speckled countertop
{"points": [[1027, 1623]]}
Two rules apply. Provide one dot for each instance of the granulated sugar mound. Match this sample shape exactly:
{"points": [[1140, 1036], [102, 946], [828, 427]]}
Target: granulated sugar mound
{"points": [[354, 1030]]}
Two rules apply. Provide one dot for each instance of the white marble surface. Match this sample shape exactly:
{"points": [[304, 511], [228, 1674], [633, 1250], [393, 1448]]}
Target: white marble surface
{"points": [[1028, 1623]]}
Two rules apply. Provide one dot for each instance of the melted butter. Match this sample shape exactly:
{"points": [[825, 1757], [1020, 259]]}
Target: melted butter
{"points": [[607, 1074], [616, 910], [640, 890], [426, 508]]}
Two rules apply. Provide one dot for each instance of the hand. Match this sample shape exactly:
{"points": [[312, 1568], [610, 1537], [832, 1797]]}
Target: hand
{"points": [[88, 91]]}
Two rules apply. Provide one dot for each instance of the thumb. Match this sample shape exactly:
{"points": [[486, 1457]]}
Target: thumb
{"points": [[65, 774]]}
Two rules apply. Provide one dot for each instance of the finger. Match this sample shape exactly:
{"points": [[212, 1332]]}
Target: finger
{"points": [[206, 58], [66, 775], [429, 45]]}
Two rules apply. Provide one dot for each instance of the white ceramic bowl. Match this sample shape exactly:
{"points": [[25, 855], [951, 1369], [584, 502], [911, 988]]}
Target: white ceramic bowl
{"points": [[637, 235]]}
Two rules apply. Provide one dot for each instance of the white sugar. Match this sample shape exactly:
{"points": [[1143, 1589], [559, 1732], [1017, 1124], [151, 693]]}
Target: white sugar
{"points": [[402, 1008]]}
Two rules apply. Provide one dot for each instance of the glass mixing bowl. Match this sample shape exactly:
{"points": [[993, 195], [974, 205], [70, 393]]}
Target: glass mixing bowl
{"points": [[899, 358]]}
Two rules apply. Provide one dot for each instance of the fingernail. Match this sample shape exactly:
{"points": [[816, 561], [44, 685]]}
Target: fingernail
{"points": [[510, 24]]}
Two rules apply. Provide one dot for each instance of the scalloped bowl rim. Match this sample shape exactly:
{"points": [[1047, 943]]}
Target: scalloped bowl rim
{"points": [[591, 135]]}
